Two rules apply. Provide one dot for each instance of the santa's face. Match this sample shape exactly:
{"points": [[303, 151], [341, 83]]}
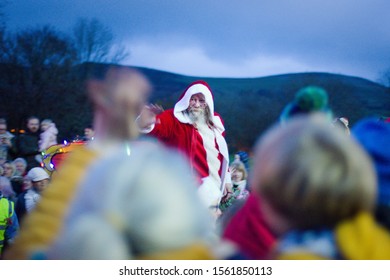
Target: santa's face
{"points": [[197, 105]]}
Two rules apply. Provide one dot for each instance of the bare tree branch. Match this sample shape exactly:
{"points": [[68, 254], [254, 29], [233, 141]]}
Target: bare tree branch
{"points": [[95, 42]]}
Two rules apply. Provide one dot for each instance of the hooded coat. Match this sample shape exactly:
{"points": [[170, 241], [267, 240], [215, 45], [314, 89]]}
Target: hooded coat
{"points": [[175, 128], [48, 137]]}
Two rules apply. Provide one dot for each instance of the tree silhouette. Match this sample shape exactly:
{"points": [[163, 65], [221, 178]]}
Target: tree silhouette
{"points": [[95, 42]]}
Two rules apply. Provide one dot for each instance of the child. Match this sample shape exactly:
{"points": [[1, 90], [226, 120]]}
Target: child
{"points": [[238, 189], [318, 191], [48, 135]]}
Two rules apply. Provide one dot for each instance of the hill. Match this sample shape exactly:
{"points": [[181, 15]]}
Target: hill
{"points": [[249, 106]]}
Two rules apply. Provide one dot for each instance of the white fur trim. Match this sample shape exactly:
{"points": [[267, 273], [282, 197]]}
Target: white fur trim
{"points": [[208, 193], [208, 137], [184, 102]]}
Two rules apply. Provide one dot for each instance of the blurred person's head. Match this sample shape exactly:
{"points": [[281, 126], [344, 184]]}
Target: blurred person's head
{"points": [[311, 175], [39, 178], [374, 136], [89, 133], [6, 187], [238, 172], [33, 124], [3, 126], [118, 96], [9, 169], [45, 124], [151, 210], [27, 183], [20, 166]]}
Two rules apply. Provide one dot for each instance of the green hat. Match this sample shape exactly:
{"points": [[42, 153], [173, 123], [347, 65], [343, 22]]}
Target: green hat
{"points": [[307, 100]]}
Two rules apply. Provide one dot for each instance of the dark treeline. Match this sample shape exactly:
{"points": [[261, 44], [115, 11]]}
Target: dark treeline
{"points": [[41, 72]]}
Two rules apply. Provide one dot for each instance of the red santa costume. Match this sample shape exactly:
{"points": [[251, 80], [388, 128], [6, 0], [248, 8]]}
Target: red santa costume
{"points": [[204, 145]]}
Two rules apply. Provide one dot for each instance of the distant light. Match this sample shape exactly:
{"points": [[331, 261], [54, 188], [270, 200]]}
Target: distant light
{"points": [[65, 142], [128, 149], [51, 166]]}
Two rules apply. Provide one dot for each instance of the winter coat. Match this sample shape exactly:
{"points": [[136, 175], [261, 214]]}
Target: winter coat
{"points": [[26, 146], [48, 137], [8, 222]]}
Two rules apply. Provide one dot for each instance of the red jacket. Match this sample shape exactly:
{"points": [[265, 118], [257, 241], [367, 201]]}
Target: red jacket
{"points": [[174, 128], [184, 137], [248, 230]]}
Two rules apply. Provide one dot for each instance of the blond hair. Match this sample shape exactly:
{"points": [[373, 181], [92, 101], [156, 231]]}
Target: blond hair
{"points": [[240, 167], [313, 175]]}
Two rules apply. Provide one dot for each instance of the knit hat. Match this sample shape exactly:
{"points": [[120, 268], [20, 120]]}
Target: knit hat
{"points": [[307, 100], [37, 174], [244, 158], [374, 135]]}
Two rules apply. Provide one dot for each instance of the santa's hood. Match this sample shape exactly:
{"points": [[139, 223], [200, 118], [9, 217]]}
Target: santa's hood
{"points": [[184, 102]]}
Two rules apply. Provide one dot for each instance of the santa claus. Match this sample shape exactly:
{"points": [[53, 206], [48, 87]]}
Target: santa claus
{"points": [[194, 128]]}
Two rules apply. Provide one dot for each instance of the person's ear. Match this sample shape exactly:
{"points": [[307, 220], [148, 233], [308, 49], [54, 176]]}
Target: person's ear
{"points": [[97, 93]]}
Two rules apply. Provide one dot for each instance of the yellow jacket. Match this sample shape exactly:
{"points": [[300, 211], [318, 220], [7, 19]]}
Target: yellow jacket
{"points": [[41, 227], [360, 238]]}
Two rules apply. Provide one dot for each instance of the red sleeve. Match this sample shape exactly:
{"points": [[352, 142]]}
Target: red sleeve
{"points": [[164, 125]]}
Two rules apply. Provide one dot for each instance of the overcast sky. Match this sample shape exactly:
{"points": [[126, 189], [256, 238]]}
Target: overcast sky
{"points": [[232, 38]]}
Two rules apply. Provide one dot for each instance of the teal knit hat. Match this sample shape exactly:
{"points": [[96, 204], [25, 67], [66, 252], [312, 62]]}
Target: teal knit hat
{"points": [[312, 98], [307, 100]]}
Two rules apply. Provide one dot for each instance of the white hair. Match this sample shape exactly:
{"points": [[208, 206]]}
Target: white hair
{"points": [[19, 159]]}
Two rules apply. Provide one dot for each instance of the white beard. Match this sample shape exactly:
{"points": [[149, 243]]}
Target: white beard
{"points": [[197, 117]]}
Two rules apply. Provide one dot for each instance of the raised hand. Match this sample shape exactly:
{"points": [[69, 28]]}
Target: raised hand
{"points": [[148, 115]]}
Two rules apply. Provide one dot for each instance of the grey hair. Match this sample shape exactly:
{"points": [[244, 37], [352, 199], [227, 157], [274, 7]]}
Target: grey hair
{"points": [[19, 159]]}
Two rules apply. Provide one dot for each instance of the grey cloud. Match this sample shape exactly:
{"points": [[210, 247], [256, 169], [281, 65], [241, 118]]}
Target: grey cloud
{"points": [[349, 32]]}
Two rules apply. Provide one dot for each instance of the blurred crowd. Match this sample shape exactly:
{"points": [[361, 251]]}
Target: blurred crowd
{"points": [[155, 183]]}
